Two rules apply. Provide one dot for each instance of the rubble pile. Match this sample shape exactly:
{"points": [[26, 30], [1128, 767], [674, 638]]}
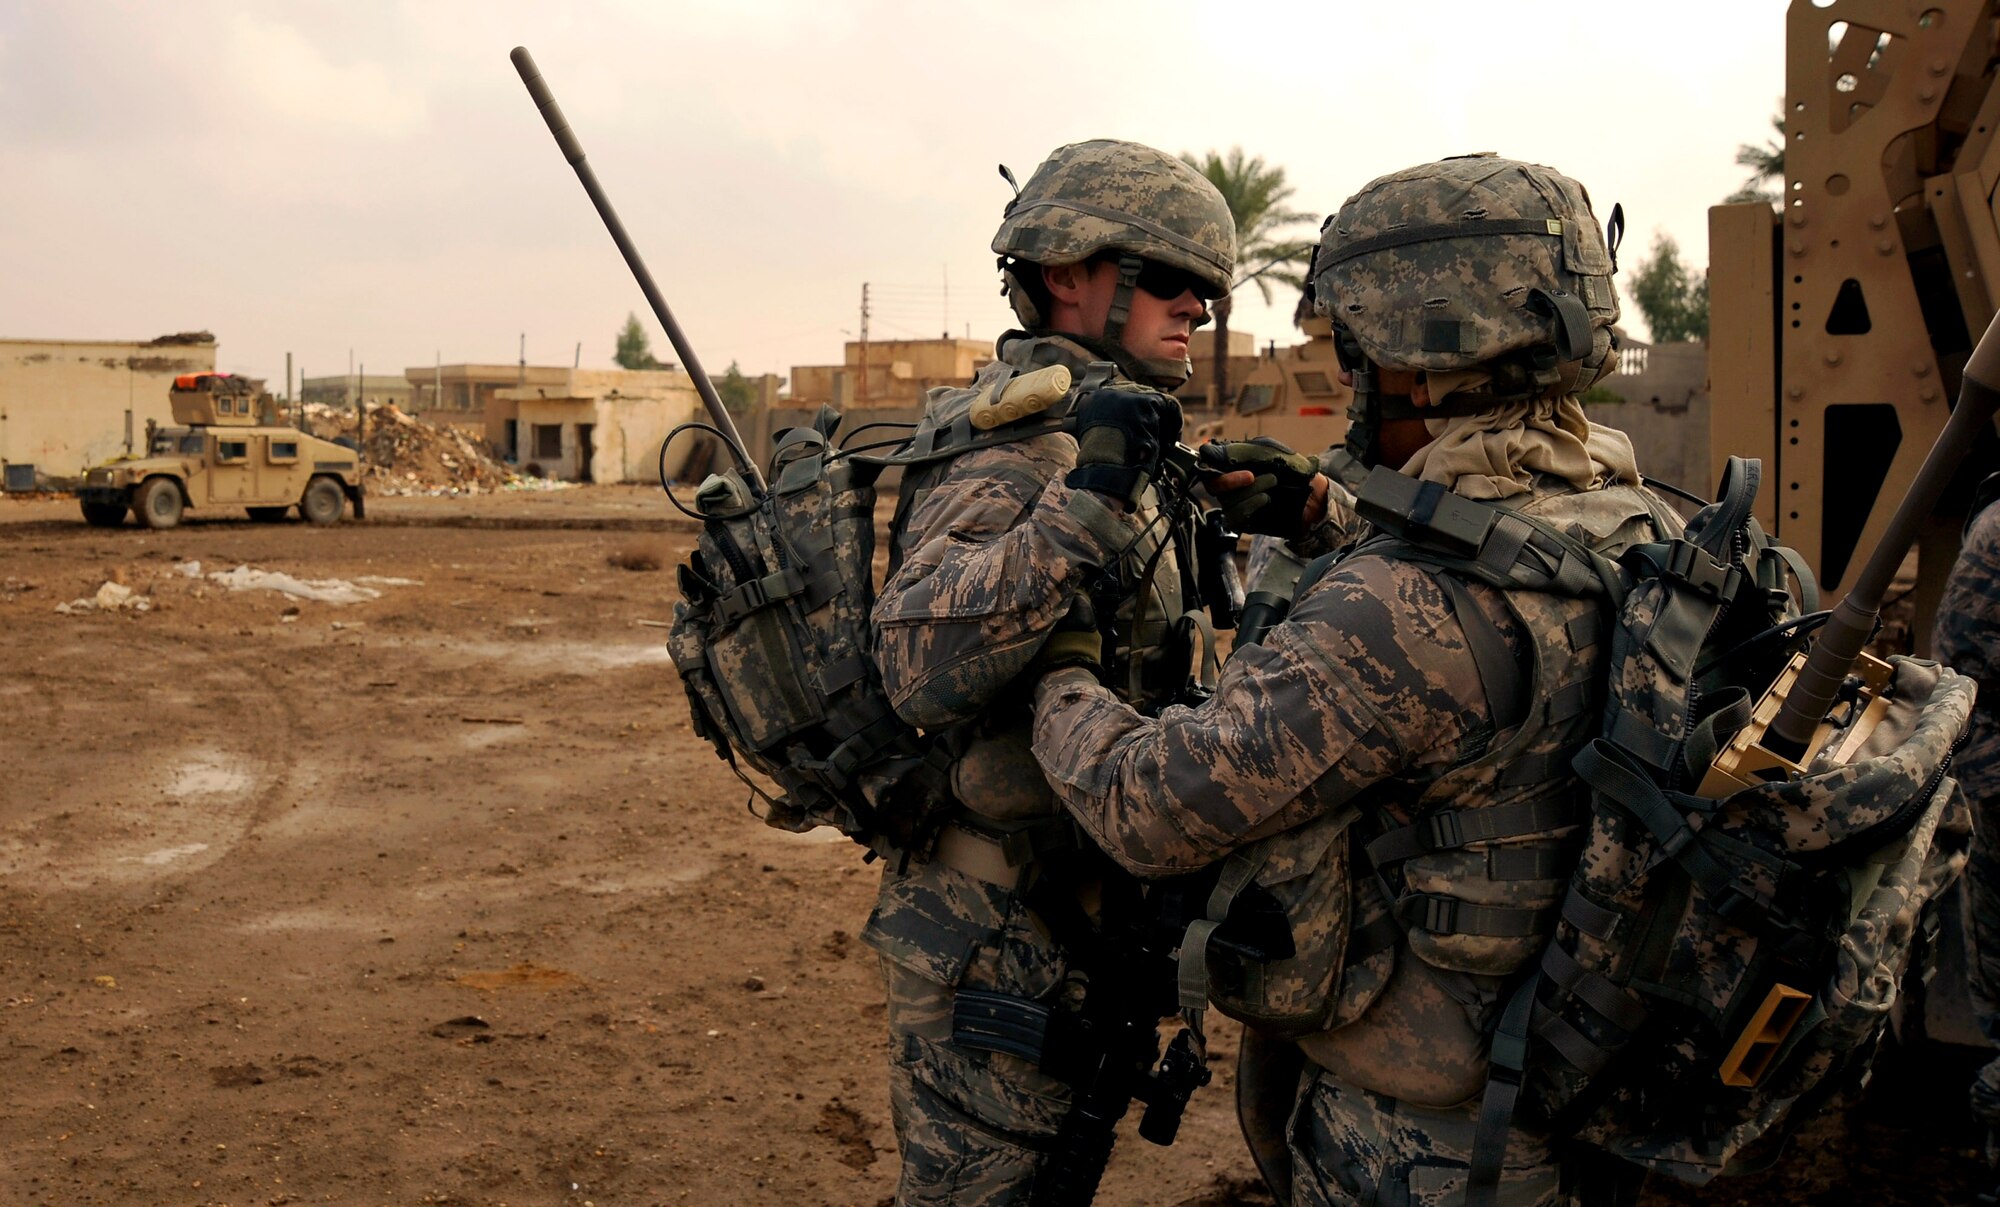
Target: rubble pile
{"points": [[404, 455]]}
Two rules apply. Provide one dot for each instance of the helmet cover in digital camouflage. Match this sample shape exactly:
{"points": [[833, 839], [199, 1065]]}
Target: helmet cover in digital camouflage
{"points": [[1466, 262], [1107, 196]]}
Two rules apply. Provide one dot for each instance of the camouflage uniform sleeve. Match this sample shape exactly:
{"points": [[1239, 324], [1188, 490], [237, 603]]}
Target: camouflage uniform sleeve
{"points": [[995, 553], [1966, 638], [1341, 525], [1367, 680]]}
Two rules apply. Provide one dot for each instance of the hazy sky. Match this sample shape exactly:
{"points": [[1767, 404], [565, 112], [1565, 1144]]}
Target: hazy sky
{"points": [[314, 177]]}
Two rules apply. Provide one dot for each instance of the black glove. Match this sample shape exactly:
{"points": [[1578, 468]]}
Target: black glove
{"points": [[1075, 641], [1120, 435], [1275, 503]]}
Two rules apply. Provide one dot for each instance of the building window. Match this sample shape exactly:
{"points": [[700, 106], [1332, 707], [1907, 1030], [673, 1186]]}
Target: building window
{"points": [[548, 439]]}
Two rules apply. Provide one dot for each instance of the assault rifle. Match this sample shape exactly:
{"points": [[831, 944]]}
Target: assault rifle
{"points": [[1107, 1050]]}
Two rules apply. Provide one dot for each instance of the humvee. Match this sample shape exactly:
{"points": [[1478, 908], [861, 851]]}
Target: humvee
{"points": [[1294, 395], [225, 448]]}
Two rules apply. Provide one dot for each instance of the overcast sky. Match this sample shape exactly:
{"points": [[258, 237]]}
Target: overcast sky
{"points": [[368, 175]]}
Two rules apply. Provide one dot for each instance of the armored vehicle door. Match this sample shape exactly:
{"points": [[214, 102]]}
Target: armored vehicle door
{"points": [[231, 473], [281, 479]]}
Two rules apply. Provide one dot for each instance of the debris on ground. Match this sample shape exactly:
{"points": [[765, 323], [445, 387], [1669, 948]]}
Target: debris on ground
{"points": [[321, 590], [403, 454], [111, 597]]}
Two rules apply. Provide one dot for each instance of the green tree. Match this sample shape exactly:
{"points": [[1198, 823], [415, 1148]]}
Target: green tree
{"points": [[736, 392], [1266, 255], [1673, 300], [635, 350], [1766, 164]]}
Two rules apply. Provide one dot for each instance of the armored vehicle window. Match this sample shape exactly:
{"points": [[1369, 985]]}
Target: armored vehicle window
{"points": [[284, 450], [1252, 399], [191, 443], [1315, 383], [232, 450], [163, 442]]}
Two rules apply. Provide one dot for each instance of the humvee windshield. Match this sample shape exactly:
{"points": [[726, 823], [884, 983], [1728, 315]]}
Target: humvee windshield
{"points": [[173, 440]]}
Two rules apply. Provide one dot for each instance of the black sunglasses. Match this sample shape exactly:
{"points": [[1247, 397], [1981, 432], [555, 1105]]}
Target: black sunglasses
{"points": [[1166, 282]]}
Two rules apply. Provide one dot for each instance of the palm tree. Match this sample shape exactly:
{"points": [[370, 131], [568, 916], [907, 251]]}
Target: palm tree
{"points": [[1765, 163], [1265, 256]]}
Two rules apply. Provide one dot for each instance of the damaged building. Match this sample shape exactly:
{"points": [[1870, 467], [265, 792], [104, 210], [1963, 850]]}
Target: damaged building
{"points": [[592, 425], [66, 405]]}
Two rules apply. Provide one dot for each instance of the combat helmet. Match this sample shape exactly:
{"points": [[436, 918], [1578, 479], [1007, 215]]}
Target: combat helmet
{"points": [[1470, 263], [1103, 196]]}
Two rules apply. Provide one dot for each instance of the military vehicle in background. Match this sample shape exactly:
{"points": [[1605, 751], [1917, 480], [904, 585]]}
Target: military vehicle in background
{"points": [[1294, 395], [227, 447], [1840, 322]]}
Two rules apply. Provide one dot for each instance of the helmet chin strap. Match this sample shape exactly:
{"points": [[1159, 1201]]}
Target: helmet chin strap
{"points": [[1155, 371]]}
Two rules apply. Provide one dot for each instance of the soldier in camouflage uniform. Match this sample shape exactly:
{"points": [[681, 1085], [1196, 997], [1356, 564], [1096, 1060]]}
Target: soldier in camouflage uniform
{"points": [[1474, 301], [1967, 638], [1107, 256]]}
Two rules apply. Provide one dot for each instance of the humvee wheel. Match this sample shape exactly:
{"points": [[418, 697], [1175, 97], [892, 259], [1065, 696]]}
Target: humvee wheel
{"points": [[267, 515], [322, 501], [104, 515], [157, 503]]}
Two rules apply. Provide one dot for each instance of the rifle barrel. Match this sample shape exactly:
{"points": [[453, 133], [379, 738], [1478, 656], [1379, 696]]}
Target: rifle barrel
{"points": [[572, 150]]}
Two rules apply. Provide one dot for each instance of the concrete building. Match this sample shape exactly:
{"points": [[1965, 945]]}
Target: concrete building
{"points": [[459, 394], [1658, 396], [66, 405], [889, 373], [594, 425], [376, 389]]}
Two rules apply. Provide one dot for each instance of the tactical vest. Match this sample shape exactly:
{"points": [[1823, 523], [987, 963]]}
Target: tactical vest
{"points": [[1725, 952], [1463, 875], [773, 637]]}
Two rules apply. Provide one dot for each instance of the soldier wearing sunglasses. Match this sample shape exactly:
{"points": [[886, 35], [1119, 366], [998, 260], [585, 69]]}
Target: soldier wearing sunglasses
{"points": [[1108, 257]]}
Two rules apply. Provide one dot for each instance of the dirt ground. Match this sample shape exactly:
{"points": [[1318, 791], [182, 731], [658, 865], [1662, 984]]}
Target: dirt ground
{"points": [[433, 898]]}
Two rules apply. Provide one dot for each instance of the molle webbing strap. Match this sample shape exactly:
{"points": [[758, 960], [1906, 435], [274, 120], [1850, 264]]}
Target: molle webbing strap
{"points": [[1239, 872], [1479, 228], [1802, 573], [759, 593], [1437, 914], [1589, 917], [1499, 672], [1610, 772], [1507, 1062], [1570, 978], [1492, 543], [875, 732], [1536, 862], [1372, 937], [1452, 829]]}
